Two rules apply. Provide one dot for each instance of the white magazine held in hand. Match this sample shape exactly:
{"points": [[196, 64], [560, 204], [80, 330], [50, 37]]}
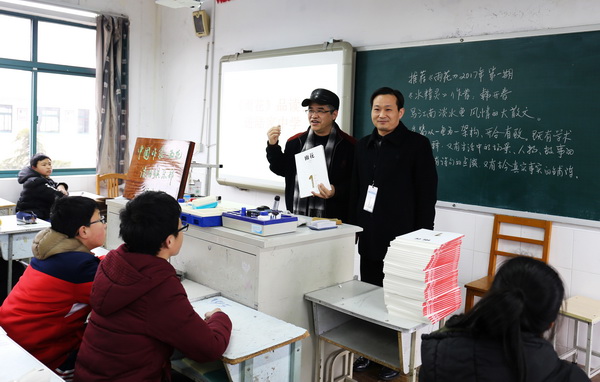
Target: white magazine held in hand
{"points": [[311, 169]]}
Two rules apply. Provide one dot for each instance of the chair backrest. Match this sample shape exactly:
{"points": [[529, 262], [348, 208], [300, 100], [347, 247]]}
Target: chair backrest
{"points": [[112, 183], [515, 236]]}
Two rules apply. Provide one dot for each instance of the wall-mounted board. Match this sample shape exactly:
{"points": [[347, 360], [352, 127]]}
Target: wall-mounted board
{"points": [[262, 89], [513, 121]]}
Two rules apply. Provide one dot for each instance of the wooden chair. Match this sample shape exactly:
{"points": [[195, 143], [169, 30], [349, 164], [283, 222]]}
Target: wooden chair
{"points": [[513, 246], [112, 183]]}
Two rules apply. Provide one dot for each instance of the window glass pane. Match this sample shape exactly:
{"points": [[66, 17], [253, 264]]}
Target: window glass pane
{"points": [[6, 118], [15, 99], [66, 45], [18, 46], [63, 134]]}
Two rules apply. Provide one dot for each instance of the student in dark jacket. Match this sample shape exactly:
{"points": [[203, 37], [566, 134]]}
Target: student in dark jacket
{"points": [[39, 190], [501, 338], [322, 111], [140, 311]]}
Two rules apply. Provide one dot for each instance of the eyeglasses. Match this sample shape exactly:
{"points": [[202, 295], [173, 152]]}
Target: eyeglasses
{"points": [[320, 112], [101, 220], [182, 229]]}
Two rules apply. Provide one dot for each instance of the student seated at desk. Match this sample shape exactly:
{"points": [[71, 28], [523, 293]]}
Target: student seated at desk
{"points": [[140, 311], [46, 311], [39, 190], [501, 338]]}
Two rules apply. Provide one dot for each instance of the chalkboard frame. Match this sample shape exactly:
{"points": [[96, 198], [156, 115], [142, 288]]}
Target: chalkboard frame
{"points": [[462, 205]]}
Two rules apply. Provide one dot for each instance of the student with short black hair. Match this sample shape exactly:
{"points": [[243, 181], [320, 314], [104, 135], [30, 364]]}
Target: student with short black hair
{"points": [[45, 312], [501, 338], [39, 190], [140, 311]]}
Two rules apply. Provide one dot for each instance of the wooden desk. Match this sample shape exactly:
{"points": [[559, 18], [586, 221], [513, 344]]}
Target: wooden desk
{"points": [[353, 316], [16, 240], [17, 362], [261, 348], [7, 207]]}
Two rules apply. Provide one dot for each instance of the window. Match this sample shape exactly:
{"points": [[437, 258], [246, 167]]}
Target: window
{"points": [[83, 121], [48, 119], [47, 96]]}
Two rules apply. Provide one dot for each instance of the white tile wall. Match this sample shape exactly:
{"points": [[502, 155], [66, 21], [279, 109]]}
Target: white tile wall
{"points": [[574, 253]]}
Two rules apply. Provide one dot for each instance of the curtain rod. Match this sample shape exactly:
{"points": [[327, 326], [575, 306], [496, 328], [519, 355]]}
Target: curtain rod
{"points": [[31, 8]]}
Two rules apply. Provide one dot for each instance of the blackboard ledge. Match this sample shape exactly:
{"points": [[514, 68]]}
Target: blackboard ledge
{"points": [[450, 206]]}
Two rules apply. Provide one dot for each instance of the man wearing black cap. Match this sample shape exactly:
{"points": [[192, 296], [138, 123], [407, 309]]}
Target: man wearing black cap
{"points": [[322, 111], [393, 192]]}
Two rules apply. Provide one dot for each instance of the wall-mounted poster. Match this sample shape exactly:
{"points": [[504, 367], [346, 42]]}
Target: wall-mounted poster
{"points": [[159, 165]]}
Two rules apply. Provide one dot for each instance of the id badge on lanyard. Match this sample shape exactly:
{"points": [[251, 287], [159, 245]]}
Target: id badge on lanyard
{"points": [[370, 198]]}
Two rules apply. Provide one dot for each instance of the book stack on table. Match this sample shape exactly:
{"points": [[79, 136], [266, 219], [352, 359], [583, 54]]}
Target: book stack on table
{"points": [[421, 275]]}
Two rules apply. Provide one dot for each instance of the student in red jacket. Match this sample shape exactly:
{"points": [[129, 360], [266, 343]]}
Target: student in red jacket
{"points": [[45, 313], [140, 311]]}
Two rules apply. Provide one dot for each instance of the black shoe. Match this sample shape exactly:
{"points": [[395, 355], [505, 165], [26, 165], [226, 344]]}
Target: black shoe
{"points": [[361, 364], [388, 374]]}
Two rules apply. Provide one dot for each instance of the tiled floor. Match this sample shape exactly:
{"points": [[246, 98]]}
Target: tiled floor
{"points": [[371, 376], [366, 376]]}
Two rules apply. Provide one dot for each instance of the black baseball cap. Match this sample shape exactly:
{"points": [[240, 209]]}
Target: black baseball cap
{"points": [[323, 97]]}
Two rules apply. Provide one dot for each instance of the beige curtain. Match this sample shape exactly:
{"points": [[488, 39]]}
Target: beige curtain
{"points": [[111, 98]]}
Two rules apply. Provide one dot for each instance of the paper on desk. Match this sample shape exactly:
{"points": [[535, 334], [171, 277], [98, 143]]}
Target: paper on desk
{"points": [[36, 375], [311, 168]]}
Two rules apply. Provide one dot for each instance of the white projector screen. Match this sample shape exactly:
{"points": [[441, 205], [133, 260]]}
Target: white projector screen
{"points": [[265, 89]]}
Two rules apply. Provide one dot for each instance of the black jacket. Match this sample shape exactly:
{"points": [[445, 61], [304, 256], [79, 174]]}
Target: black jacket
{"points": [[449, 356], [339, 171], [403, 169], [38, 193]]}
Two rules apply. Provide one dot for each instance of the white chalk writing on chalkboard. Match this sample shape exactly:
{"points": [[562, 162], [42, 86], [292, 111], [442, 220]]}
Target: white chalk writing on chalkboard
{"points": [[510, 149]]}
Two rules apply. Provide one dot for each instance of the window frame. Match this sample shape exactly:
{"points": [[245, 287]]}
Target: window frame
{"points": [[35, 67]]}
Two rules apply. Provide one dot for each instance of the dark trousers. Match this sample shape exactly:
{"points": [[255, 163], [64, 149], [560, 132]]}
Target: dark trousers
{"points": [[371, 271]]}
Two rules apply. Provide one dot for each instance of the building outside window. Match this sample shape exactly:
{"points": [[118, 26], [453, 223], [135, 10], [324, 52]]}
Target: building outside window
{"points": [[5, 118], [47, 92]]}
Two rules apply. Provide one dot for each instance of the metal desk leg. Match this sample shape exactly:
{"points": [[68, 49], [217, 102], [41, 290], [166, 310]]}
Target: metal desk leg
{"points": [[247, 369], [588, 351], [9, 257], [576, 334], [295, 361], [413, 349], [319, 349]]}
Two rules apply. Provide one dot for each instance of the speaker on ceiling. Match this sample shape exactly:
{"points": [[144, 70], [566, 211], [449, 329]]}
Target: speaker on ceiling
{"points": [[201, 23]]}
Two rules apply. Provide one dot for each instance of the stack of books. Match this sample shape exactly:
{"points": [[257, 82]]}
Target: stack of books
{"points": [[421, 275]]}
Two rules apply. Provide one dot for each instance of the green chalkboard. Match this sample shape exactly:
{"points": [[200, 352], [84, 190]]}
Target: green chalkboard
{"points": [[514, 123]]}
